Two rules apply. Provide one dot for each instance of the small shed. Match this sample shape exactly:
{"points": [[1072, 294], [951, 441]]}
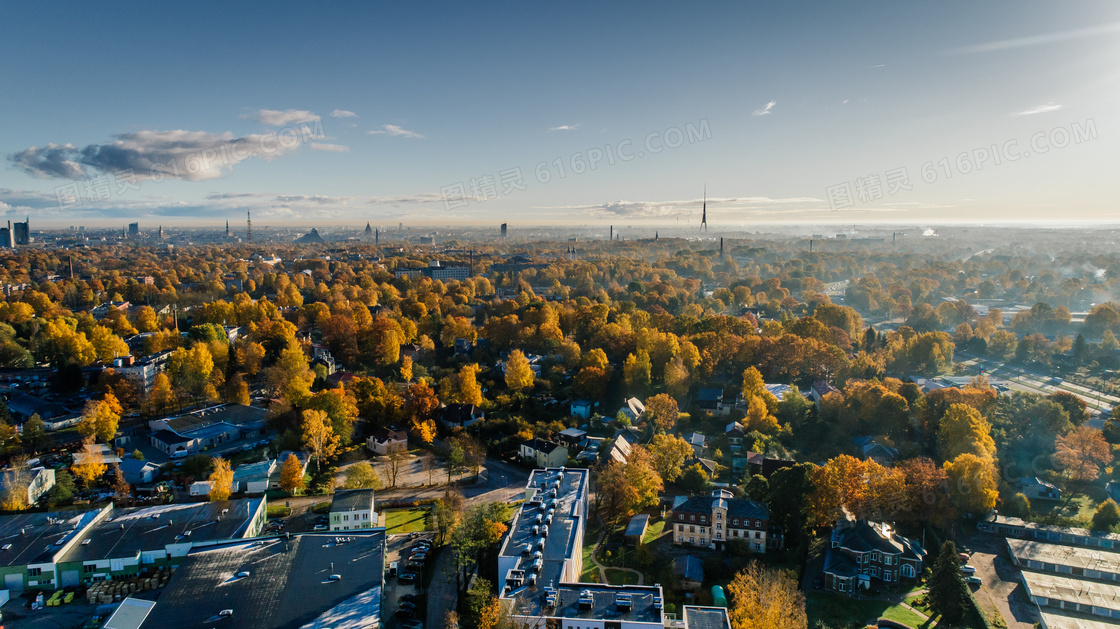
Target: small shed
{"points": [[636, 529], [690, 571]]}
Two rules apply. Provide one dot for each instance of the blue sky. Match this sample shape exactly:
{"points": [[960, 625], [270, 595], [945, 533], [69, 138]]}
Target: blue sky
{"points": [[799, 112]]}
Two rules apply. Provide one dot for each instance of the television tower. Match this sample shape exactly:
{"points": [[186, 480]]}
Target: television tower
{"points": [[704, 215], [248, 226]]}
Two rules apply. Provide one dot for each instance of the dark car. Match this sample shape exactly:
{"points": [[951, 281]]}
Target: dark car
{"points": [[407, 577], [405, 613], [408, 606], [410, 598]]}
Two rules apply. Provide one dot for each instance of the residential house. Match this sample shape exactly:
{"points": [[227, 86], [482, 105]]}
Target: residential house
{"points": [[820, 389], [22, 406], [861, 553], [624, 442], [303, 458], [712, 521], [735, 433], [711, 400], [543, 453], [698, 442], [871, 448], [387, 440], [573, 437], [633, 409], [353, 509], [580, 408], [1035, 488], [460, 415]]}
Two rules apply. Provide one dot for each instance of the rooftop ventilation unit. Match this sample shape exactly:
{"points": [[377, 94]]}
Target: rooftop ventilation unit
{"points": [[85, 542], [225, 613], [586, 601], [538, 555], [657, 604], [532, 580], [623, 601], [243, 574], [537, 565], [527, 550], [6, 547], [514, 578], [550, 600], [536, 531], [544, 531]]}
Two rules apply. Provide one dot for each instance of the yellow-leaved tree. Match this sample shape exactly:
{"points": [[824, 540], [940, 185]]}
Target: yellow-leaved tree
{"points": [[519, 374], [766, 598], [318, 435], [100, 419], [221, 480], [291, 475]]}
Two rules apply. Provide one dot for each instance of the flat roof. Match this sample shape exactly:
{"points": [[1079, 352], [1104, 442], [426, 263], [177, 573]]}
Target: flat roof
{"points": [[29, 538], [696, 617], [565, 502], [130, 614], [235, 414], [603, 603], [1072, 590], [1074, 556], [1056, 619], [288, 585], [352, 500], [127, 532]]}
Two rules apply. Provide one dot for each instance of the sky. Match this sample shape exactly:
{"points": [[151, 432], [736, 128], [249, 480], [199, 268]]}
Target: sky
{"points": [[560, 113]]}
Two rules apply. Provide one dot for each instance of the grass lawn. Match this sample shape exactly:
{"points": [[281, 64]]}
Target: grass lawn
{"points": [[621, 577], [411, 520], [839, 610], [590, 571], [653, 532]]}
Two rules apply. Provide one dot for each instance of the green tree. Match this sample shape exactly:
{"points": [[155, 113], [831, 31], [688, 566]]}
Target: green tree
{"points": [[947, 591], [1107, 516], [1018, 506], [35, 436], [636, 372], [361, 475]]}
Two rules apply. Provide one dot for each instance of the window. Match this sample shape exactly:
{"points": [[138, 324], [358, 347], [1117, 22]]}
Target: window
{"points": [[34, 572], [735, 521], [88, 568], [908, 571], [719, 535], [703, 530], [703, 519], [346, 518], [734, 532], [692, 518], [692, 529], [719, 516], [720, 526], [757, 524], [757, 535], [887, 576], [692, 540]]}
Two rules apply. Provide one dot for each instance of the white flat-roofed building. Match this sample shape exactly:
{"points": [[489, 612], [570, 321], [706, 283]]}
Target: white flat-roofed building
{"points": [[1075, 561], [1071, 594]]}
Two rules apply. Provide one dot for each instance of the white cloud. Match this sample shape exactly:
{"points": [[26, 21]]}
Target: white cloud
{"points": [[394, 130], [566, 127], [765, 111], [423, 197], [176, 154], [655, 209], [334, 148], [277, 118], [1041, 109], [342, 113]]}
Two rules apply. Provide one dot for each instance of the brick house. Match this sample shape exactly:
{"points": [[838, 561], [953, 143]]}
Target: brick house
{"points": [[861, 552], [712, 521]]}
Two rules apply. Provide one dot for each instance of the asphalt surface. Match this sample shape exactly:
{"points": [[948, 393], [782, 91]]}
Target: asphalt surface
{"points": [[1001, 588]]}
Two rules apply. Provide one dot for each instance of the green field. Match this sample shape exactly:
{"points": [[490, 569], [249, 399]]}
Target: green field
{"points": [[840, 610], [621, 577], [411, 520], [590, 571]]}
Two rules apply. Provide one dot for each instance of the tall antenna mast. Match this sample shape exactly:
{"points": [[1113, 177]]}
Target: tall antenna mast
{"points": [[248, 226], [704, 216]]}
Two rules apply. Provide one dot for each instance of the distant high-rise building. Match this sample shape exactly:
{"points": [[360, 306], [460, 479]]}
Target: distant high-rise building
{"points": [[161, 232], [248, 226], [369, 230], [134, 230], [376, 236], [22, 232], [6, 236], [503, 230], [227, 229]]}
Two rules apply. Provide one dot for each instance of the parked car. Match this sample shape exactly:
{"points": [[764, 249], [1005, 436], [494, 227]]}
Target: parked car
{"points": [[393, 569], [405, 613], [967, 569], [419, 556], [408, 606], [321, 527], [411, 598], [973, 580], [407, 577]]}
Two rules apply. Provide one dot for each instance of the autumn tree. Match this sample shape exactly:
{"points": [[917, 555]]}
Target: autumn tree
{"points": [[250, 357], [361, 475], [16, 483], [766, 598], [462, 386], [100, 419], [519, 374], [973, 483], [120, 486], [927, 486], [35, 436], [291, 475], [88, 467], [238, 391], [406, 368], [625, 488], [221, 480], [420, 402], [395, 465], [318, 435], [636, 372], [190, 371], [758, 417], [669, 453], [1107, 516], [1081, 452], [663, 411], [963, 430], [161, 399], [289, 377]]}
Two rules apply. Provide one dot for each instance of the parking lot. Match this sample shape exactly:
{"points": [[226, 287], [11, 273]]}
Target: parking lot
{"points": [[397, 549], [1001, 587]]}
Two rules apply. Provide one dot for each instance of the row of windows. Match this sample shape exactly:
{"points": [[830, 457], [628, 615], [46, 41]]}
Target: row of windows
{"points": [[357, 516], [719, 516]]}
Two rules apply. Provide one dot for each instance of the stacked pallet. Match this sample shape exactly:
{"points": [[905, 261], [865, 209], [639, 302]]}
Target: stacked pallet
{"points": [[103, 592]]}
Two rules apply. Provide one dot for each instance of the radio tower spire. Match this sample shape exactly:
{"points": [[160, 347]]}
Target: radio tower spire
{"points": [[704, 215], [248, 226]]}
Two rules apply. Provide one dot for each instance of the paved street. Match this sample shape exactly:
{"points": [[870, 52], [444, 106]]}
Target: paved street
{"points": [[1019, 379]]}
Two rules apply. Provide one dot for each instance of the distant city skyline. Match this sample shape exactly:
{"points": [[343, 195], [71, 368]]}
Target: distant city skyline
{"points": [[582, 114]]}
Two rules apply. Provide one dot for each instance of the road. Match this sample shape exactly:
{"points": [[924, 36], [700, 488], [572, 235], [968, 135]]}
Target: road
{"points": [[1019, 379], [1001, 588]]}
